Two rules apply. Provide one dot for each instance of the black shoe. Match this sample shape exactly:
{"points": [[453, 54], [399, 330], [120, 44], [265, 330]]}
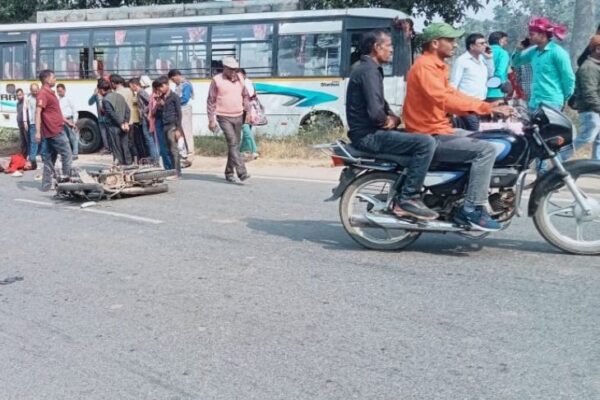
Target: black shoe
{"points": [[244, 177], [230, 179], [414, 208]]}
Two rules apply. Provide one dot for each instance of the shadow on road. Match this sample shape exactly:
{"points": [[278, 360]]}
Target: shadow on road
{"points": [[204, 177], [332, 236]]}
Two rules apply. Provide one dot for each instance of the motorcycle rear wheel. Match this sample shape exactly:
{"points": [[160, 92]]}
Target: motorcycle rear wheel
{"points": [[561, 221], [377, 185]]}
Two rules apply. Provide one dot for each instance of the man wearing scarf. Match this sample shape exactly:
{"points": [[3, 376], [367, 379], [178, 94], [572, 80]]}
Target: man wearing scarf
{"points": [[553, 78]]}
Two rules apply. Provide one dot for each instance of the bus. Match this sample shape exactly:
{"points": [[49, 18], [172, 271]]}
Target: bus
{"points": [[299, 61]]}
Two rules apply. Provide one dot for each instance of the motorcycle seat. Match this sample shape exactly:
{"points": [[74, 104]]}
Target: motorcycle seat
{"points": [[402, 161]]}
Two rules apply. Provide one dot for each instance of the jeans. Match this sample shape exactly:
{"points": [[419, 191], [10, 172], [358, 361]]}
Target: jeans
{"points": [[53, 147], [33, 146], [120, 141], [73, 137], [589, 132], [24, 140], [104, 135], [248, 142], [481, 155], [170, 131], [162, 145], [232, 127], [149, 139], [419, 147], [469, 122]]}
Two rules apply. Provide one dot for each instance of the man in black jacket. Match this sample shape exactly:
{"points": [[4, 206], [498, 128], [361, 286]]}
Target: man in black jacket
{"points": [[117, 114], [373, 124], [170, 111]]}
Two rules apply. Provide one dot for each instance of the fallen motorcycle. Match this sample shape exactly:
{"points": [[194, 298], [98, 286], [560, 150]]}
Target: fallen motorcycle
{"points": [[114, 182], [564, 213]]}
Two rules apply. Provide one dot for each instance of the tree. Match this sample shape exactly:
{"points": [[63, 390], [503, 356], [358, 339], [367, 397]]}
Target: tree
{"points": [[450, 11]]}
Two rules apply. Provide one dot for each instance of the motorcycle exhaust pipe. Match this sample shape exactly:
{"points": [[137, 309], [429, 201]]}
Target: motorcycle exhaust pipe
{"points": [[391, 222]]}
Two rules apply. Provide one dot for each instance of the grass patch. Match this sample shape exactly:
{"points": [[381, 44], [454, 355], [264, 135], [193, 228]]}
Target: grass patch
{"points": [[9, 141], [287, 147]]}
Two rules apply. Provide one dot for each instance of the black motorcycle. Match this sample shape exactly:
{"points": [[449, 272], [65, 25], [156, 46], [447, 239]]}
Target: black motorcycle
{"points": [[564, 213]]}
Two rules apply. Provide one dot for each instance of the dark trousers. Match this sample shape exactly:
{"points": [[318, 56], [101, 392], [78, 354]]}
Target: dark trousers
{"points": [[120, 142], [469, 122], [419, 147], [24, 140], [232, 129], [170, 133], [52, 148]]}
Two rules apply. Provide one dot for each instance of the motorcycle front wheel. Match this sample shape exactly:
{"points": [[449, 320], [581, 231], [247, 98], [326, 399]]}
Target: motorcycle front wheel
{"points": [[367, 194], [562, 221]]}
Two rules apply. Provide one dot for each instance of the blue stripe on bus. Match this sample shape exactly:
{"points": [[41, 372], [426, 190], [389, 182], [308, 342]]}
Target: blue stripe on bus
{"points": [[6, 103], [306, 98]]}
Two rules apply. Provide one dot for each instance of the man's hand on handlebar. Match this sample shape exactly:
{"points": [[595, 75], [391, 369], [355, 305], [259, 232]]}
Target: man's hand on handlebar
{"points": [[503, 111]]}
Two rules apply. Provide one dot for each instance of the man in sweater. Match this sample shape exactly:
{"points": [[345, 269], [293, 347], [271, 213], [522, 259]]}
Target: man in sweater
{"points": [[588, 99], [117, 114], [226, 103]]}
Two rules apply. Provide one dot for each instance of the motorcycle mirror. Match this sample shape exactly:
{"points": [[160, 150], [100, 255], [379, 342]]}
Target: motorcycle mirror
{"points": [[494, 82]]}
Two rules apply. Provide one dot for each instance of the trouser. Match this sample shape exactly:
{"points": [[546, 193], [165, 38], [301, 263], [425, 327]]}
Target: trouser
{"points": [[33, 145], [459, 149], [248, 142], [162, 145], [469, 122], [24, 140], [419, 147], [589, 131], [136, 141], [120, 141], [231, 127], [73, 137], [104, 135], [150, 143], [54, 146], [170, 134]]}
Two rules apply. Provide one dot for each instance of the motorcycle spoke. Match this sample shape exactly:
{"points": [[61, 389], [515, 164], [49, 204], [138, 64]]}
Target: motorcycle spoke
{"points": [[558, 212], [579, 230]]}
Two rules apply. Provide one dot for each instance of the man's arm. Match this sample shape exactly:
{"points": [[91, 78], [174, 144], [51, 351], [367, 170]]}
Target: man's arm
{"points": [[373, 94], [523, 57], [110, 113], [186, 93], [38, 119], [211, 103], [566, 73]]}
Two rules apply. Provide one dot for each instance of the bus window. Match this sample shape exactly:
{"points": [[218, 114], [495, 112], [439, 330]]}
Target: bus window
{"points": [[33, 55], [251, 45], [121, 51], [309, 48], [179, 48], [65, 52], [12, 59]]}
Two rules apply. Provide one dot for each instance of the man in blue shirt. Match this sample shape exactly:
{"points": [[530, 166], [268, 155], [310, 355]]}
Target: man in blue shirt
{"points": [[553, 78], [498, 42], [185, 91]]}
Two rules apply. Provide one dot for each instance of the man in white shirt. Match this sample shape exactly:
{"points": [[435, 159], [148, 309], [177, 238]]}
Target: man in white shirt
{"points": [[69, 114], [470, 74]]}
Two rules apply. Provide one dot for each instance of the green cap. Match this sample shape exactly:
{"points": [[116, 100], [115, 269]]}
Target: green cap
{"points": [[439, 30]]}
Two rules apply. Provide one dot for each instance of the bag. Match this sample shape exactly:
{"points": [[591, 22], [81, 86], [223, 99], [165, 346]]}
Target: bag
{"points": [[257, 115]]}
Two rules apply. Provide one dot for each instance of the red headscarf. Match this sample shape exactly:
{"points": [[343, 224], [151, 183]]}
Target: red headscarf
{"points": [[544, 25]]}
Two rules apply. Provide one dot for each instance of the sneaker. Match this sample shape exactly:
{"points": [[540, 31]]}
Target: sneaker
{"points": [[75, 157], [478, 219], [244, 177], [414, 208], [230, 179]]}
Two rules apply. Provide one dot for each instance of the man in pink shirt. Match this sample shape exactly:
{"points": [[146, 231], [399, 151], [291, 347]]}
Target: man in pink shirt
{"points": [[227, 101]]}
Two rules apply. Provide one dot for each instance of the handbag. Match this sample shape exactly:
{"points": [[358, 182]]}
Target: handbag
{"points": [[257, 113]]}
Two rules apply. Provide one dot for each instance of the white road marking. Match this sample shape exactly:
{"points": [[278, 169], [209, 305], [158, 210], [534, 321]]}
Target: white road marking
{"points": [[291, 179], [93, 211], [38, 203]]}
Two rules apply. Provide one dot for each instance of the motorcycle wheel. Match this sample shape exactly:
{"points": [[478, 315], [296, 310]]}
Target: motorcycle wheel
{"points": [[142, 190], [376, 185], [153, 175], [561, 220]]}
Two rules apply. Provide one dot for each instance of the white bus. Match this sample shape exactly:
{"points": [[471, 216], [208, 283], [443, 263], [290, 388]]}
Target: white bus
{"points": [[298, 60]]}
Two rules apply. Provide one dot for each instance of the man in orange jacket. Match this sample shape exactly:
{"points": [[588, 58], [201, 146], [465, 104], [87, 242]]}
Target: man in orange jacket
{"points": [[430, 99]]}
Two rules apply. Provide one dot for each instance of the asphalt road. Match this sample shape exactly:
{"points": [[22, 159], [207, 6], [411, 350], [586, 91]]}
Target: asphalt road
{"points": [[217, 291]]}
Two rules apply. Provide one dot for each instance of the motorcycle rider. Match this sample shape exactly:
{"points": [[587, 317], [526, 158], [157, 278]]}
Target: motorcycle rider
{"points": [[373, 125], [430, 99]]}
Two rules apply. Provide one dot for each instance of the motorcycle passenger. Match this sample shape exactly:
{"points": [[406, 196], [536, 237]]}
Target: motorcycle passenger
{"points": [[430, 99], [373, 125]]}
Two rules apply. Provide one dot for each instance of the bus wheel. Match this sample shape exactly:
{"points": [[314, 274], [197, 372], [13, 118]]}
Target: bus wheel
{"points": [[89, 136], [320, 121]]}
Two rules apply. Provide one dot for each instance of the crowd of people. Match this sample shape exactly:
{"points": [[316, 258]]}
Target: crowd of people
{"points": [[435, 91], [139, 119]]}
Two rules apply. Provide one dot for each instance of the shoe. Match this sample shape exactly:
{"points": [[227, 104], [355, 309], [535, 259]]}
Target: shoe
{"points": [[478, 219], [75, 158], [244, 177], [230, 179], [414, 208], [17, 174]]}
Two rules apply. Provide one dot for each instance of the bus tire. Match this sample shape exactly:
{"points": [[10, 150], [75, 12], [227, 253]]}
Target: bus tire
{"points": [[90, 140], [319, 120]]}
